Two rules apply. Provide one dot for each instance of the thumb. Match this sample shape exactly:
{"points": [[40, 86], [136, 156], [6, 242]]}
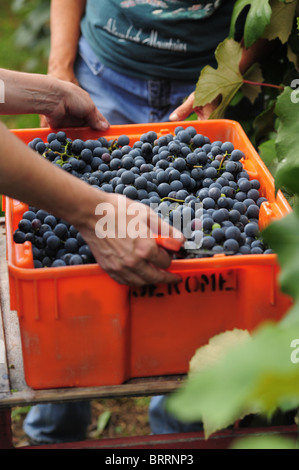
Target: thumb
{"points": [[183, 111], [97, 121], [43, 121]]}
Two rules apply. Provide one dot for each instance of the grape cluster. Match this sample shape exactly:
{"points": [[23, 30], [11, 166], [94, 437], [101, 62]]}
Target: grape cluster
{"points": [[182, 176], [54, 241]]}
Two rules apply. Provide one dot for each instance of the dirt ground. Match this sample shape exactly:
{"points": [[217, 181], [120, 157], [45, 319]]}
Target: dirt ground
{"points": [[111, 418]]}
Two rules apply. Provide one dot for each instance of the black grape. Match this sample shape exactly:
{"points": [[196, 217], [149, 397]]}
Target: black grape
{"points": [[194, 183]]}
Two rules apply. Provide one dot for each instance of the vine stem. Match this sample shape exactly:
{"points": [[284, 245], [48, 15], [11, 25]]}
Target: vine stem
{"points": [[249, 82]]}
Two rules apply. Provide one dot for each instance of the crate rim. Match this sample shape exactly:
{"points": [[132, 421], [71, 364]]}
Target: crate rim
{"points": [[215, 262]]}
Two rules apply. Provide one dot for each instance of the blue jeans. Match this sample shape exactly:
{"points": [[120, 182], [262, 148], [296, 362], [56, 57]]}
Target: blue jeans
{"points": [[57, 422], [122, 100], [162, 422]]}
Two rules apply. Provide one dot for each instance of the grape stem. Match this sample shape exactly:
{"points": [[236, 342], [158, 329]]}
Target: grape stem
{"points": [[249, 82], [171, 199], [221, 161]]}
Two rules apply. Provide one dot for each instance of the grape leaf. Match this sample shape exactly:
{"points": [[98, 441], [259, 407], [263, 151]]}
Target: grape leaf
{"points": [[254, 74], [267, 152], [258, 17], [224, 81], [242, 381], [281, 22], [291, 319], [276, 389], [209, 354], [287, 110], [283, 237]]}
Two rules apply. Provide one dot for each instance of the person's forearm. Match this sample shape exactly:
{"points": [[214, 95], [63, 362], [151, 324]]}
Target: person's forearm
{"points": [[28, 93], [65, 32]]}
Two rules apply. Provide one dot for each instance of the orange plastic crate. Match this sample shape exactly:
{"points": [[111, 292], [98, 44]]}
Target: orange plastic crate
{"points": [[80, 328]]}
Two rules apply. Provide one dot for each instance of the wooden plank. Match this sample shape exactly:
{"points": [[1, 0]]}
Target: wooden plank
{"points": [[142, 387], [10, 323], [4, 376]]}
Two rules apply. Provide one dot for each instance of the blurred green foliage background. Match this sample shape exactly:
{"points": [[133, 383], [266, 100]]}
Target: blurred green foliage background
{"points": [[24, 26]]}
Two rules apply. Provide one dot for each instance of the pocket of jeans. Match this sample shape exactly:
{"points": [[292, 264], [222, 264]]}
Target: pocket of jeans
{"points": [[89, 57]]}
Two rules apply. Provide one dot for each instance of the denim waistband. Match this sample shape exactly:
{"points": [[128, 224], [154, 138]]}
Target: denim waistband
{"points": [[89, 56]]}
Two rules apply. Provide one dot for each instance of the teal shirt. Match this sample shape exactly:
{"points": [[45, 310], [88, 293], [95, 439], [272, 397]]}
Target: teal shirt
{"points": [[156, 39]]}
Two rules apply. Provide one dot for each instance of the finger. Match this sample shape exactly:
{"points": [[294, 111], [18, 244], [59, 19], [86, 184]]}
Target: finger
{"points": [[204, 112], [149, 274], [146, 252], [145, 275], [183, 111], [122, 274], [141, 271], [43, 121], [97, 121], [159, 257]]}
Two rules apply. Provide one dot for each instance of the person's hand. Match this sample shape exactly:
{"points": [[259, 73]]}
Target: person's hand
{"points": [[135, 258], [72, 107], [61, 74], [185, 109]]}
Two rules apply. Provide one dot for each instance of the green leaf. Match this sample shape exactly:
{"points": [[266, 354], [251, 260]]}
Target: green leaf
{"points": [[237, 98], [292, 317], [258, 376], [287, 110], [224, 81], [282, 19], [283, 237], [258, 17], [18, 412], [267, 152], [103, 420], [254, 74], [209, 354], [264, 442]]}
